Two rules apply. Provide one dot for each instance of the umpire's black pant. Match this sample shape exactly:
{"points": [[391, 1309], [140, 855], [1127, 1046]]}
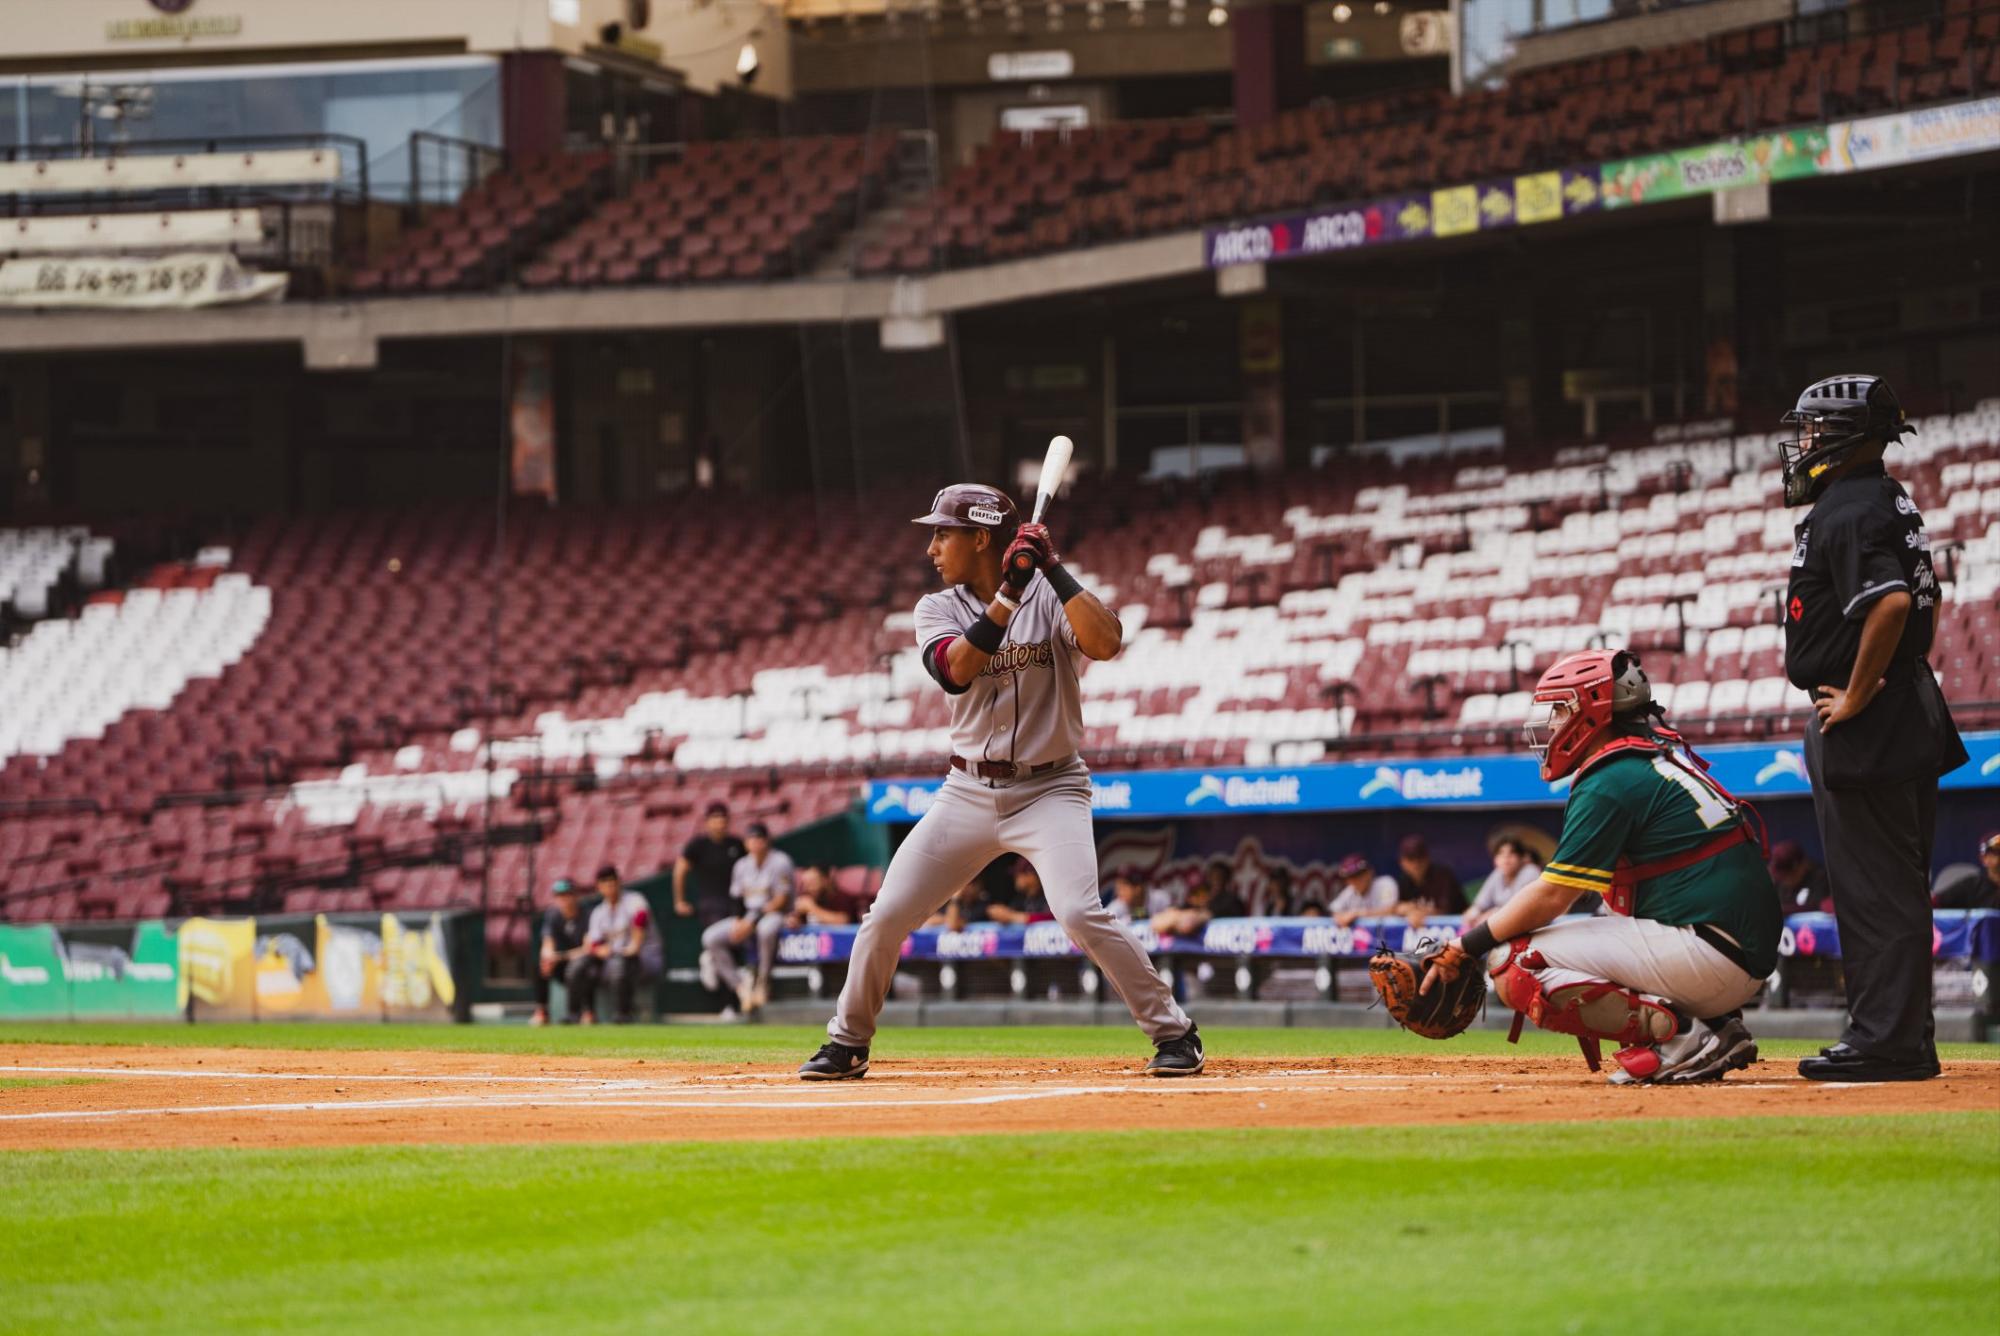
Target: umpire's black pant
{"points": [[1878, 864]]}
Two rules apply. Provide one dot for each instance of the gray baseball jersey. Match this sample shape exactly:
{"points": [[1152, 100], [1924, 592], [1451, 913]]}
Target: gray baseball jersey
{"points": [[756, 885], [1027, 706]]}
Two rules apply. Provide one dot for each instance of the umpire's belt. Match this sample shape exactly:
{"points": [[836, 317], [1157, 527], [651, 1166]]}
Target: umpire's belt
{"points": [[1003, 769]]}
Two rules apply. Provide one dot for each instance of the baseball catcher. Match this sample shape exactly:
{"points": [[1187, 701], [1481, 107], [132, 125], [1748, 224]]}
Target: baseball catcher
{"points": [[1695, 921]]}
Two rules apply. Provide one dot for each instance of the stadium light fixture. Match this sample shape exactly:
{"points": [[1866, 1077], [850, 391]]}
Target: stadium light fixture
{"points": [[1217, 16], [747, 63]]}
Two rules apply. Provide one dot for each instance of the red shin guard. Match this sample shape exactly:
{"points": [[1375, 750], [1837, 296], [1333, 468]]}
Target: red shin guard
{"points": [[1593, 1010]]}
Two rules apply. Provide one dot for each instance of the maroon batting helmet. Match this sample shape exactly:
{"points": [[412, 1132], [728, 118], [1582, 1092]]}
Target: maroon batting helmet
{"points": [[970, 505]]}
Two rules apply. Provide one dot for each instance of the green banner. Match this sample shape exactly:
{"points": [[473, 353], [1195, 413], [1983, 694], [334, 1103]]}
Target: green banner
{"points": [[1683, 173], [32, 986], [86, 972]]}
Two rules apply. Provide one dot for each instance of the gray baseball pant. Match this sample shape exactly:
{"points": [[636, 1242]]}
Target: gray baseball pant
{"points": [[1045, 820], [716, 944]]}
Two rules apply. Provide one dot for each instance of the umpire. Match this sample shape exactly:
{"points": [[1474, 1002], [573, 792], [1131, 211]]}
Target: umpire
{"points": [[1860, 611]]}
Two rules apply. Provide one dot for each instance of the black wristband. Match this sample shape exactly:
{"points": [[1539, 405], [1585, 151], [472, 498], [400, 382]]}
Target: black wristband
{"points": [[1061, 581], [1478, 942], [985, 635]]}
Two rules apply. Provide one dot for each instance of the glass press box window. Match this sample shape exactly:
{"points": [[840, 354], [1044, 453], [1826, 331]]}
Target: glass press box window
{"points": [[380, 101]]}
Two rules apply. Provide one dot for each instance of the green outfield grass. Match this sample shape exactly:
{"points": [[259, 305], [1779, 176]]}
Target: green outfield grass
{"points": [[794, 1043], [1802, 1226]]}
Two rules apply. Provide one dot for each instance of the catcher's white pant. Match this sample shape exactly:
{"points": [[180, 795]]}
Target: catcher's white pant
{"points": [[1644, 956], [1046, 820]]}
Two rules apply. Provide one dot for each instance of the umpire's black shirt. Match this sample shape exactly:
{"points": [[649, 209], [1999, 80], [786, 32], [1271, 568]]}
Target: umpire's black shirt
{"points": [[1865, 539]]}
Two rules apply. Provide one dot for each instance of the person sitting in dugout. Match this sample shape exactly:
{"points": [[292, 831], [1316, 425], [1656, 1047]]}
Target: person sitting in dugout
{"points": [[1695, 922]]}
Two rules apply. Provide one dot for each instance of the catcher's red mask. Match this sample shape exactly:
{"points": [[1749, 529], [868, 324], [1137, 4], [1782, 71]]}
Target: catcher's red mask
{"points": [[1575, 703]]}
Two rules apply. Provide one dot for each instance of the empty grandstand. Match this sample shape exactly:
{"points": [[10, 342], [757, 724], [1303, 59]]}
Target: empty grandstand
{"points": [[566, 491]]}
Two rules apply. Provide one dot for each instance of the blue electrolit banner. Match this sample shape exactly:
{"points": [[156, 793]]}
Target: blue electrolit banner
{"points": [[1957, 934], [1749, 770]]}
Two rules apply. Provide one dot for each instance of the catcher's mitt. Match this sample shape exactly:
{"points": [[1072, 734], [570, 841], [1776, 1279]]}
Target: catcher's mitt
{"points": [[1447, 1008]]}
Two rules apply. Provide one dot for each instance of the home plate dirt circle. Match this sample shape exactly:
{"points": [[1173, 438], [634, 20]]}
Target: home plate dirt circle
{"points": [[136, 1097]]}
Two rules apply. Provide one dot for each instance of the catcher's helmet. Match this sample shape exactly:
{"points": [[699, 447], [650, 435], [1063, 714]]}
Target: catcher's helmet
{"points": [[1835, 416], [971, 505], [1578, 700]]}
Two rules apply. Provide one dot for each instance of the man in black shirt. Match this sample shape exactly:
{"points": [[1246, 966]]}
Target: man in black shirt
{"points": [[562, 946], [1859, 615], [1425, 887], [701, 876], [1972, 888]]}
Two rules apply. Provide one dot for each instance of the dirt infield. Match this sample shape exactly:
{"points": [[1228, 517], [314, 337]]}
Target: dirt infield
{"points": [[179, 1097]]}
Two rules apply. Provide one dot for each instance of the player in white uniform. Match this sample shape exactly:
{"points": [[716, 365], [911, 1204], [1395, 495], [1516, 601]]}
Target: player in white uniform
{"points": [[1008, 655]]}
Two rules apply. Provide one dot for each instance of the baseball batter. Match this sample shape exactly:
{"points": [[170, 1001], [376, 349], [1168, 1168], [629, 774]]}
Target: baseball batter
{"points": [[1005, 644], [1695, 925]]}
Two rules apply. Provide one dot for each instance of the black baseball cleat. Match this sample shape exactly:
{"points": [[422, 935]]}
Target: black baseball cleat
{"points": [[835, 1062], [1178, 1057]]}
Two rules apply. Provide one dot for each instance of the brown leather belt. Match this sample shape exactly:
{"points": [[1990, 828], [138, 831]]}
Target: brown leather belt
{"points": [[1001, 769]]}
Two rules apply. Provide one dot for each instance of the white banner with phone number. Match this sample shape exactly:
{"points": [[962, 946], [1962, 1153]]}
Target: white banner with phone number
{"points": [[171, 282]]}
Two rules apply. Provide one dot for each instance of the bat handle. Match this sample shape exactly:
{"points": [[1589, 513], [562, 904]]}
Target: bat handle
{"points": [[1024, 562]]}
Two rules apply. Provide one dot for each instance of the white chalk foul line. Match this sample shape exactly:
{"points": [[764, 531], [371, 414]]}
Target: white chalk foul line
{"points": [[544, 1102], [220, 1075]]}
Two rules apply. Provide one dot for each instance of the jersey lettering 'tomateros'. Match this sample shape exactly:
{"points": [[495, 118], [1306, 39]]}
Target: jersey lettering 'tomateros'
{"points": [[1027, 706]]}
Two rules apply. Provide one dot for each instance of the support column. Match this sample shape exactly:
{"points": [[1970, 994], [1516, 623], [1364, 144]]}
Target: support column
{"points": [[1269, 42], [533, 102]]}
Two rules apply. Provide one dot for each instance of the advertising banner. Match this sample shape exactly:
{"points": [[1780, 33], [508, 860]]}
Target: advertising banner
{"points": [[1758, 160], [417, 982], [1750, 769], [1957, 934], [137, 981], [83, 972], [531, 419], [1912, 136], [218, 968], [1540, 197], [173, 282], [31, 976]]}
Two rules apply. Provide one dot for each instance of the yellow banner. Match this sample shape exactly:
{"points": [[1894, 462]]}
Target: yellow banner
{"points": [[1538, 198], [1455, 211], [217, 966]]}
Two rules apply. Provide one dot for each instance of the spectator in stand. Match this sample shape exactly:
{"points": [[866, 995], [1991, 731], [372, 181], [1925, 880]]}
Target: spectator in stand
{"points": [[818, 902], [1027, 904], [1274, 897], [1980, 889], [1207, 899], [1361, 891], [1513, 871], [1801, 882], [701, 876], [967, 907], [1128, 898], [620, 949], [761, 886], [562, 947], [1424, 887], [1223, 901]]}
